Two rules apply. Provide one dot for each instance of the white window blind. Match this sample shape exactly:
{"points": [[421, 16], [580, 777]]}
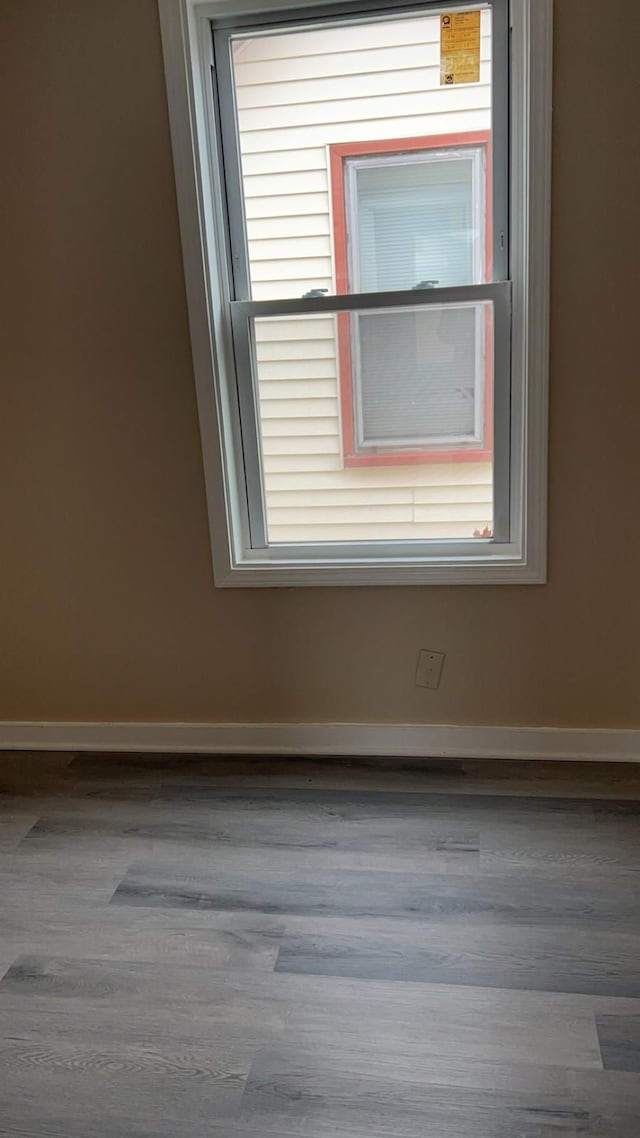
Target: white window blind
{"points": [[415, 223], [420, 376]]}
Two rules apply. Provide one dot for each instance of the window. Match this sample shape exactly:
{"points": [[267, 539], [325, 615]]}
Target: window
{"points": [[364, 214], [409, 214]]}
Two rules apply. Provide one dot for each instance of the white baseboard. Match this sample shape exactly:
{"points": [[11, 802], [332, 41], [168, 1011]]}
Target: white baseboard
{"points": [[401, 739]]}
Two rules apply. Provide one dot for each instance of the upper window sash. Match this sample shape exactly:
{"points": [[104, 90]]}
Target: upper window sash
{"points": [[225, 30]]}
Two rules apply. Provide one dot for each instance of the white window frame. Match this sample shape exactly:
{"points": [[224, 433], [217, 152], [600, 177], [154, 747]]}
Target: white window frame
{"points": [[520, 558], [452, 153]]}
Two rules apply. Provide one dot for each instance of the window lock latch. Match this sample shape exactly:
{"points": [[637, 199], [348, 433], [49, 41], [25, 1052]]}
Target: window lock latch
{"points": [[314, 292]]}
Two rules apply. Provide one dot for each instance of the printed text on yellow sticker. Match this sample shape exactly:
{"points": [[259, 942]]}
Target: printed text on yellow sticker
{"points": [[460, 48]]}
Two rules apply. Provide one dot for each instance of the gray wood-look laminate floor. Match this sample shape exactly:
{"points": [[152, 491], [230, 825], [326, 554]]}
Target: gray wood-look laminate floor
{"points": [[291, 949]]}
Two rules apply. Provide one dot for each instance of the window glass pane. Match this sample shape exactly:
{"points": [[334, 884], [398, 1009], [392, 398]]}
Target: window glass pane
{"points": [[317, 487], [311, 102]]}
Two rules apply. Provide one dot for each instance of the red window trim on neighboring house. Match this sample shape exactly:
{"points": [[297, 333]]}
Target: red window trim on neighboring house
{"points": [[338, 154]]}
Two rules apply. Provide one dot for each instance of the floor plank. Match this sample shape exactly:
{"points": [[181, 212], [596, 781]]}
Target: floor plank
{"points": [[227, 825], [366, 893], [209, 940], [619, 1037], [321, 1093], [549, 959]]}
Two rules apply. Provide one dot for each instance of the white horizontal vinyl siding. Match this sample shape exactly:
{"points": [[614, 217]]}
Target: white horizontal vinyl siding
{"points": [[395, 126], [296, 95], [385, 34]]}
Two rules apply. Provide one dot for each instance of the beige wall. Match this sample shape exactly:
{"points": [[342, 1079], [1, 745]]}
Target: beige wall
{"points": [[107, 606]]}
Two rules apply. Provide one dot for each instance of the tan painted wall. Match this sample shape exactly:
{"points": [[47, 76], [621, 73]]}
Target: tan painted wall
{"points": [[107, 607]]}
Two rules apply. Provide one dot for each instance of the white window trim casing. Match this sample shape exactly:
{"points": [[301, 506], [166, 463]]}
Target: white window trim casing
{"points": [[186, 43]]}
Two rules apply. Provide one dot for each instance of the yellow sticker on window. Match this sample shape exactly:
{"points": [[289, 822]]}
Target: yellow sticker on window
{"points": [[460, 48]]}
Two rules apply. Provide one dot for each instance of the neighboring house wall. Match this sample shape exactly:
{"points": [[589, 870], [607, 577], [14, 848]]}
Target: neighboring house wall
{"points": [[291, 109]]}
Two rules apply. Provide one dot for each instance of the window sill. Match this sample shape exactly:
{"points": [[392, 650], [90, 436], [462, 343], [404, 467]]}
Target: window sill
{"points": [[491, 565]]}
